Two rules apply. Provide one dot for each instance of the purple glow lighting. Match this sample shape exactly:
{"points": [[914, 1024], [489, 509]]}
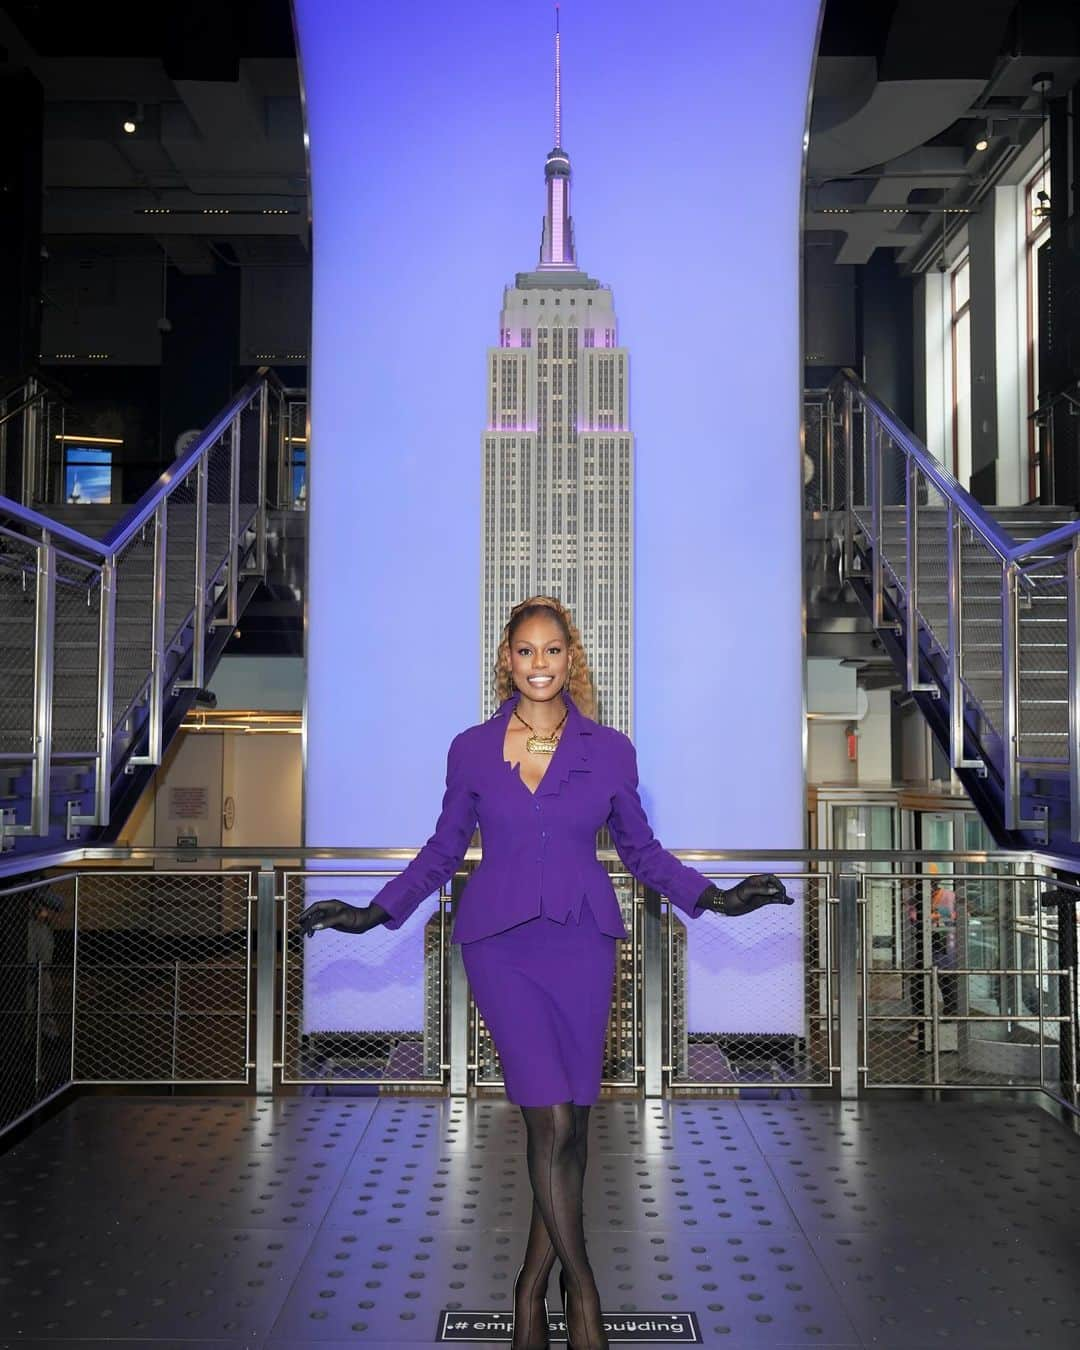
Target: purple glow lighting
{"points": [[558, 81], [410, 256], [557, 209]]}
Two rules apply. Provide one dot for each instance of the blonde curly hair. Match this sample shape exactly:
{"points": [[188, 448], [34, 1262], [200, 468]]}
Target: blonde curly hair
{"points": [[580, 684]]}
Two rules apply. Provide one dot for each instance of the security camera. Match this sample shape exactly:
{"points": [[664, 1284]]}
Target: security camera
{"points": [[164, 325]]}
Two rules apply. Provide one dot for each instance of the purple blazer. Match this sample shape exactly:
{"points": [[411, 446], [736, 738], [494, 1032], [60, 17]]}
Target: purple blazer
{"points": [[539, 850]]}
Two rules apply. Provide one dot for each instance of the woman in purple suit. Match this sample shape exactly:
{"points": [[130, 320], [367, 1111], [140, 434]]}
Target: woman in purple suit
{"points": [[538, 921]]}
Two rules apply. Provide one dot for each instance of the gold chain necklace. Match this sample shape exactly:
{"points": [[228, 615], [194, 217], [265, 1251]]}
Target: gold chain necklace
{"points": [[542, 745]]}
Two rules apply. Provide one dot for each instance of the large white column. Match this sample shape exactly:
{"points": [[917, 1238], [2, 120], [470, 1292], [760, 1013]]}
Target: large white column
{"points": [[687, 123]]}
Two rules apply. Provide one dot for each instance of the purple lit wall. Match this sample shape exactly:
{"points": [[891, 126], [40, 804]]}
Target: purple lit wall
{"points": [[429, 125]]}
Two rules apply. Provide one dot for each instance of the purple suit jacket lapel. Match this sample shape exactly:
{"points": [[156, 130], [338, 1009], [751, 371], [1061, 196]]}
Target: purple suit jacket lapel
{"points": [[572, 752]]}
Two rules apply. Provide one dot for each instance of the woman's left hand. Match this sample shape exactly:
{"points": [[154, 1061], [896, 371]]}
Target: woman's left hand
{"points": [[751, 893]]}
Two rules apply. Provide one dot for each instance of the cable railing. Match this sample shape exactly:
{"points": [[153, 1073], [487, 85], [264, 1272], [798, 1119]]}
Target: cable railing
{"points": [[892, 969], [987, 619], [102, 635]]}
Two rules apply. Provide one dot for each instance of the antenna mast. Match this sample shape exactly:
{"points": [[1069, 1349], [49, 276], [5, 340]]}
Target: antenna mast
{"points": [[558, 81]]}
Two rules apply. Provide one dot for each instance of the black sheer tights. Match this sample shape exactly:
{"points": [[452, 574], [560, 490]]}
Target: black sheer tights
{"points": [[557, 1151]]}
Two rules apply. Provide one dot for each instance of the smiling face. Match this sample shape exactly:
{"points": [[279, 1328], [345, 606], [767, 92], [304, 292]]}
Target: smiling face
{"points": [[539, 659]]}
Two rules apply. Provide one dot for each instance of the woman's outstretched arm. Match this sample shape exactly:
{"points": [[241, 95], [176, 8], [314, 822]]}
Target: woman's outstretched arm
{"points": [[434, 865], [441, 856], [639, 848], [651, 863]]}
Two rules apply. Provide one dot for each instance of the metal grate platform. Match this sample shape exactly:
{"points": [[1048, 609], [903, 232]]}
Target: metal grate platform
{"points": [[226, 1222]]}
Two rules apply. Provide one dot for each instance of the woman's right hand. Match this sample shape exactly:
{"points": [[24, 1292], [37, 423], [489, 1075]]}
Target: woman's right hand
{"points": [[336, 914]]}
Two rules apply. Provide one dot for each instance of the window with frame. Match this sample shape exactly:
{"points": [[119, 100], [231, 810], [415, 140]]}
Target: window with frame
{"points": [[1036, 237], [960, 344]]}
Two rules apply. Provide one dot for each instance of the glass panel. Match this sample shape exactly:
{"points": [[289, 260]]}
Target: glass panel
{"points": [[873, 827], [961, 286]]}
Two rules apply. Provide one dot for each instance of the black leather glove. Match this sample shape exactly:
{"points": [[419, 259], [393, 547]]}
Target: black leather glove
{"points": [[344, 918], [750, 894]]}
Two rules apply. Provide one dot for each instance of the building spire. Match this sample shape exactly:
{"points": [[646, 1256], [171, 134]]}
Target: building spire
{"points": [[558, 80], [557, 241]]}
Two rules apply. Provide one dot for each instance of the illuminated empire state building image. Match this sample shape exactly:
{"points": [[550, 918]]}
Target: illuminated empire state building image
{"points": [[557, 500]]}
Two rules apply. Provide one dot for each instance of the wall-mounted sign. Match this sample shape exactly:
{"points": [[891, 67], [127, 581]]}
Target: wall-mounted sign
{"points": [[189, 803]]}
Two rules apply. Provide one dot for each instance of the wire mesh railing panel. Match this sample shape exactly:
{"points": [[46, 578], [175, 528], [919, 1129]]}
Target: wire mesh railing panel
{"points": [[248, 474], [181, 539], [860, 465], [76, 620], [933, 560], [36, 992], [162, 986], [764, 979], [367, 1007], [134, 579], [218, 503], [296, 454], [1043, 664], [18, 604], [981, 664], [815, 420], [969, 991], [894, 543]]}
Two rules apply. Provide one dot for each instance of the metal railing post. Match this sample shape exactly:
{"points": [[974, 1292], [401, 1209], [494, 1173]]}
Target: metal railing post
{"points": [[1010, 688], [911, 582], [1072, 653], [458, 1033], [847, 958], [106, 666], [233, 572], [265, 966], [156, 710], [828, 470], [37, 1028], [954, 525], [849, 481], [198, 636], [284, 468], [29, 444], [234, 521], [44, 665], [175, 1020], [878, 563], [651, 1008], [260, 509]]}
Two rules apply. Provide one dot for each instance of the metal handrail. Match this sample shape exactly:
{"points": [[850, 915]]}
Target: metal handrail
{"points": [[1021, 564], [950, 488], [133, 520], [285, 855], [144, 508], [204, 607], [1062, 396], [843, 1035], [12, 413]]}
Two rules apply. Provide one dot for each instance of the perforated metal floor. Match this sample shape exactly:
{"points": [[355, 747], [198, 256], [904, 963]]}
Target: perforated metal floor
{"points": [[219, 1222]]}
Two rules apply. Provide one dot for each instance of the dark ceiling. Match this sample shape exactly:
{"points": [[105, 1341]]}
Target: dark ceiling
{"points": [[196, 39]]}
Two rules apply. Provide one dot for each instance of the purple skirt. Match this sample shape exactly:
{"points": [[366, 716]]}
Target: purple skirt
{"points": [[544, 990]]}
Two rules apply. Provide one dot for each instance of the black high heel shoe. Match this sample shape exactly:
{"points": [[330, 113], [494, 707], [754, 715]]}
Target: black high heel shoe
{"points": [[545, 1344], [566, 1320]]}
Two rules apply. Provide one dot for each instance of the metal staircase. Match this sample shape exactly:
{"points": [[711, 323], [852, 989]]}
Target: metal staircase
{"points": [[978, 608], [113, 619]]}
